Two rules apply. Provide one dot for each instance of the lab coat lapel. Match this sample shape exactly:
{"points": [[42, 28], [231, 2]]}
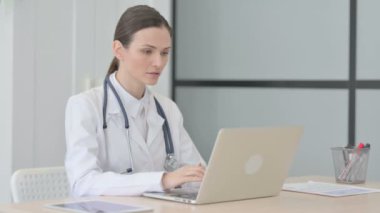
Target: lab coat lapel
{"points": [[155, 122], [136, 136], [113, 111]]}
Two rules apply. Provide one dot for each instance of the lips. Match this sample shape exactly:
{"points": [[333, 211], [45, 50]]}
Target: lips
{"points": [[153, 74]]}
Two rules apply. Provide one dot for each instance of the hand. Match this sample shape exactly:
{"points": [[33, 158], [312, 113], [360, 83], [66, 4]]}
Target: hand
{"points": [[183, 175]]}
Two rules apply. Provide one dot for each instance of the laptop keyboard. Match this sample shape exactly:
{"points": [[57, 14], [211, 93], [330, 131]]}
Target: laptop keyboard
{"points": [[191, 196], [183, 194]]}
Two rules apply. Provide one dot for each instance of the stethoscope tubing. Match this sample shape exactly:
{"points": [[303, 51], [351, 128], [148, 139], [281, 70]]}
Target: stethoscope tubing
{"points": [[108, 82], [166, 129]]}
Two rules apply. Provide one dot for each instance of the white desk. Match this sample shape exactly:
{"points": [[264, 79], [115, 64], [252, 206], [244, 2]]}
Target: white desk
{"points": [[286, 202]]}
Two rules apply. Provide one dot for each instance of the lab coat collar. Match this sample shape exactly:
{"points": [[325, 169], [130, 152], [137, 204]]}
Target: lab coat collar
{"points": [[154, 125], [131, 104]]}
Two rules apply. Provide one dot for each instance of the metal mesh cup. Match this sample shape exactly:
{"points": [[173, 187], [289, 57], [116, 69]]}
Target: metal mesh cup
{"points": [[350, 164]]}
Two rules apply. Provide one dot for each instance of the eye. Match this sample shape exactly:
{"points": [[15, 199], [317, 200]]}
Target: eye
{"points": [[165, 53], [147, 51]]}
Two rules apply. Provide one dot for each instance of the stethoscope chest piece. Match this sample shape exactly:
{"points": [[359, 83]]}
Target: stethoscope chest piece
{"points": [[171, 163]]}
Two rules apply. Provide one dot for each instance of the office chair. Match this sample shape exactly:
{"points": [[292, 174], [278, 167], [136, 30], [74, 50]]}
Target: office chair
{"points": [[39, 184]]}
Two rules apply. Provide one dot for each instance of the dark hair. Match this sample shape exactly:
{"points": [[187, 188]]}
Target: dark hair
{"points": [[134, 19]]}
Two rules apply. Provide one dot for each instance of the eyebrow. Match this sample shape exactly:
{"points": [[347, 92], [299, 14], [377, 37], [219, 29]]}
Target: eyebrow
{"points": [[151, 46]]}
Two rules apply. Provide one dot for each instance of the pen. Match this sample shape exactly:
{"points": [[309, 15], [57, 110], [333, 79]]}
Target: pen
{"points": [[353, 158], [361, 145], [361, 163], [346, 156]]}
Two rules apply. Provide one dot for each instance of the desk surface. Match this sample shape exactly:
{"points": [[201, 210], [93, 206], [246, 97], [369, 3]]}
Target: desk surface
{"points": [[285, 202]]}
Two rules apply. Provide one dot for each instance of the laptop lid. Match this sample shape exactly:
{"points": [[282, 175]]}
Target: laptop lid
{"points": [[245, 163]]}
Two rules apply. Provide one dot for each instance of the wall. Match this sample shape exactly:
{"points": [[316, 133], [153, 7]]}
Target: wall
{"points": [[52, 49], [6, 57], [368, 68], [294, 58]]}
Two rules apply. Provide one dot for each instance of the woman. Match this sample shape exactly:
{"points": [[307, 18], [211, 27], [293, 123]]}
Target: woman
{"points": [[121, 139]]}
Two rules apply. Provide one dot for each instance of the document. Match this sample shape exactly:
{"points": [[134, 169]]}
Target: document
{"points": [[98, 206], [327, 189]]}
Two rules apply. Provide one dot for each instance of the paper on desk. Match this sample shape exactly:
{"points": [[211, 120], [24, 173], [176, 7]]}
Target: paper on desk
{"points": [[327, 189]]}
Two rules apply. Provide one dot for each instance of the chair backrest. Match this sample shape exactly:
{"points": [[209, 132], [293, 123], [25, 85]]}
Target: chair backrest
{"points": [[39, 184]]}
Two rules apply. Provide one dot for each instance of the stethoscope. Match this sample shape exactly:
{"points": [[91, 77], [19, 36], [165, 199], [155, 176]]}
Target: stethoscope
{"points": [[171, 163]]}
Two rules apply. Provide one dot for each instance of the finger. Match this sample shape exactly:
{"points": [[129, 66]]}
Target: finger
{"points": [[195, 172], [200, 168], [199, 172], [190, 171], [203, 167], [193, 166], [192, 179]]}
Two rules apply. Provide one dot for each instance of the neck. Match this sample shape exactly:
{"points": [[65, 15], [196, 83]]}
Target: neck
{"points": [[131, 86]]}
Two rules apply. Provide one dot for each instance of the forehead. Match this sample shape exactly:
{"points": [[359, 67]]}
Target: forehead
{"points": [[155, 36]]}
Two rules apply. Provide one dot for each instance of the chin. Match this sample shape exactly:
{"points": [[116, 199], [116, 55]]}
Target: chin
{"points": [[151, 82]]}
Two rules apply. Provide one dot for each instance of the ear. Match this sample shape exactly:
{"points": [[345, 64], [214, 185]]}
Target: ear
{"points": [[118, 49]]}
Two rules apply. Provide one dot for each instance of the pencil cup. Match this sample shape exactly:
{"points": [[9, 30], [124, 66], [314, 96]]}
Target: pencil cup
{"points": [[350, 164]]}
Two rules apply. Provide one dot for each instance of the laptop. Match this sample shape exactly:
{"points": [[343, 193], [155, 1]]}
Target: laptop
{"points": [[245, 163]]}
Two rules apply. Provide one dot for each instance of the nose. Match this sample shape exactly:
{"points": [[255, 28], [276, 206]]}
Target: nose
{"points": [[159, 61]]}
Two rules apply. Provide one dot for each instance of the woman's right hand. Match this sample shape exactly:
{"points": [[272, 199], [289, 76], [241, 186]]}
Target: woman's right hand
{"points": [[182, 175]]}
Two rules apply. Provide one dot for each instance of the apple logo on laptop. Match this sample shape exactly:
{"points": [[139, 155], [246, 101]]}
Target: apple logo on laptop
{"points": [[253, 164]]}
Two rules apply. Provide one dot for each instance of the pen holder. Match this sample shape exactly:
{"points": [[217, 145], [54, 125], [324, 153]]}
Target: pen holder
{"points": [[350, 164]]}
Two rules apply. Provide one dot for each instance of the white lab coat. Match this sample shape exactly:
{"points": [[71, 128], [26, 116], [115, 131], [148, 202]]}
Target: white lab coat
{"points": [[97, 157]]}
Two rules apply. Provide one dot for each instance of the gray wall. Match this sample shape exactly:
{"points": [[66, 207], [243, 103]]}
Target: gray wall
{"points": [[278, 40]]}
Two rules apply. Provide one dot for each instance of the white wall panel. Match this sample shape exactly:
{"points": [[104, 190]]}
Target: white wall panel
{"points": [[53, 63], [53, 49], [23, 84], [62, 48], [6, 84], [83, 45]]}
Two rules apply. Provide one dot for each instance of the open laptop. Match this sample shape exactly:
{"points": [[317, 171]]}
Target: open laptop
{"points": [[245, 163]]}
